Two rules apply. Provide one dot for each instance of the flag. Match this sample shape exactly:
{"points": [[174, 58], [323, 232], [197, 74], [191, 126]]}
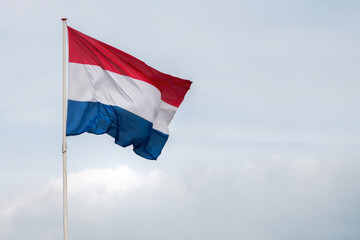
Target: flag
{"points": [[112, 92]]}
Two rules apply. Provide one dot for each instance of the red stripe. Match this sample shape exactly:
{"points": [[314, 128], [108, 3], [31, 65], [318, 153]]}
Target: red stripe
{"points": [[87, 50]]}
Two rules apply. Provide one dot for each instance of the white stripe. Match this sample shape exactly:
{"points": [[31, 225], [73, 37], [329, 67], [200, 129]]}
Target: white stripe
{"points": [[89, 83], [164, 117]]}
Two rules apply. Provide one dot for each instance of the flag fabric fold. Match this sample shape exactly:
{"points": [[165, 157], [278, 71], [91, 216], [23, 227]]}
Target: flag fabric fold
{"points": [[112, 92]]}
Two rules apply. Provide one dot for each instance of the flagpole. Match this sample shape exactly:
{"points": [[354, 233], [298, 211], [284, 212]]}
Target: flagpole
{"points": [[64, 146]]}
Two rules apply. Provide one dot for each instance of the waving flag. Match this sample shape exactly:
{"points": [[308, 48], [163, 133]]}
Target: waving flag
{"points": [[110, 91]]}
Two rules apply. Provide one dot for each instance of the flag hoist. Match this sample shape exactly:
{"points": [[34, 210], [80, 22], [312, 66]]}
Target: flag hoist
{"points": [[112, 92]]}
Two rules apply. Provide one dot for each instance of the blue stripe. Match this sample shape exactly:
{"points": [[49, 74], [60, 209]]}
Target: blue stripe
{"points": [[125, 127]]}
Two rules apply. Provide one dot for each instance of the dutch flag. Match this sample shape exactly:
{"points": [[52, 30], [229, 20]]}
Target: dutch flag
{"points": [[110, 91]]}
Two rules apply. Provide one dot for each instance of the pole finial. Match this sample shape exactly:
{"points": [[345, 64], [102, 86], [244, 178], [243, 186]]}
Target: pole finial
{"points": [[64, 19]]}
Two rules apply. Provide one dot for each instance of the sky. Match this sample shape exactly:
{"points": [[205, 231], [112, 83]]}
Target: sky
{"points": [[265, 145]]}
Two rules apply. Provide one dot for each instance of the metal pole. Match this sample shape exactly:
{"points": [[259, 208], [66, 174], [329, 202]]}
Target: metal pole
{"points": [[64, 146]]}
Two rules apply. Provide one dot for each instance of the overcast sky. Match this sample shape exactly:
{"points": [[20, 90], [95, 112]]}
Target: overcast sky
{"points": [[264, 147]]}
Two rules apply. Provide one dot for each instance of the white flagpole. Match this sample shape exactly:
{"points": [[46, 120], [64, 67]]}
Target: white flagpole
{"points": [[64, 146]]}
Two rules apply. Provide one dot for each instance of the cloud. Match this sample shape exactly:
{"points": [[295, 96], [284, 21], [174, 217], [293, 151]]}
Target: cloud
{"points": [[273, 199]]}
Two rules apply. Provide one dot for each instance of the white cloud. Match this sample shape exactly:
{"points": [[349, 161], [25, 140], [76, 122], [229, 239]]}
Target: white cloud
{"points": [[274, 199]]}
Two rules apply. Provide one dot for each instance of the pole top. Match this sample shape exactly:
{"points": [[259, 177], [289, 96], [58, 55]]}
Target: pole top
{"points": [[64, 19]]}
